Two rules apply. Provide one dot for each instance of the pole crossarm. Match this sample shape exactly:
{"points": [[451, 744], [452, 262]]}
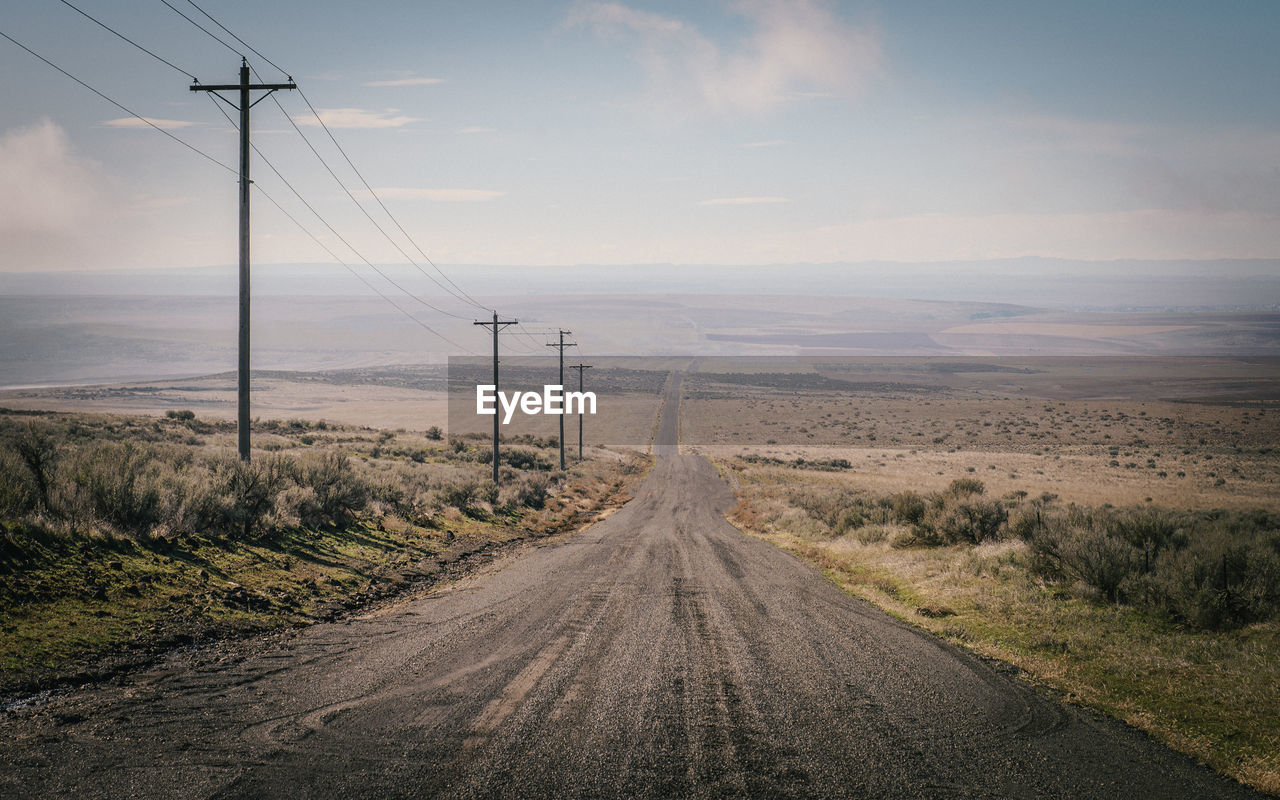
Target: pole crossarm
{"points": [[226, 87], [501, 324]]}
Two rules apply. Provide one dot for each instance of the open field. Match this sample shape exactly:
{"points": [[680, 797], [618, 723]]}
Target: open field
{"points": [[412, 397], [416, 401], [1094, 431], [1120, 507]]}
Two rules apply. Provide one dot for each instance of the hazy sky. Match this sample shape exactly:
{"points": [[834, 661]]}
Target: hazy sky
{"points": [[747, 132]]}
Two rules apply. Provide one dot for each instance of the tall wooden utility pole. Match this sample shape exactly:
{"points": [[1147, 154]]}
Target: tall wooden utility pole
{"points": [[561, 346], [580, 368], [244, 87], [496, 326]]}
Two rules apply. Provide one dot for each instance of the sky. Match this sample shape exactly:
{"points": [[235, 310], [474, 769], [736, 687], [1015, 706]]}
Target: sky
{"points": [[731, 132]]}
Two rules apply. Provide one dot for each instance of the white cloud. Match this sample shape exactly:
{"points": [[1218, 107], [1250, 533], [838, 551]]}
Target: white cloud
{"points": [[440, 195], [769, 143], [744, 201], [355, 118], [46, 189], [136, 122], [406, 82], [476, 129], [798, 47]]}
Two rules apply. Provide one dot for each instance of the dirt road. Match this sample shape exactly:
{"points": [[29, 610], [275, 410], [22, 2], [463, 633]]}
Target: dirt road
{"points": [[659, 654]]}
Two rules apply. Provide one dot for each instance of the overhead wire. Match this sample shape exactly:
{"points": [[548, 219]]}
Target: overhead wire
{"points": [[341, 238], [520, 347], [323, 162], [358, 276], [151, 53], [529, 336], [382, 205], [228, 31], [232, 170], [124, 108], [357, 203], [457, 291], [210, 33]]}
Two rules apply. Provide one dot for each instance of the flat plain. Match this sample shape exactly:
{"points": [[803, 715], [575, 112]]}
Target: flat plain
{"points": [[932, 487], [1187, 433]]}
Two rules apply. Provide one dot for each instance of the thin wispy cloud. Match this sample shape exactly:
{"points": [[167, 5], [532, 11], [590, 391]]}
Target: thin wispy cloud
{"points": [[406, 82], [440, 195], [796, 47], [769, 143], [163, 124], [356, 118], [475, 129], [744, 201]]}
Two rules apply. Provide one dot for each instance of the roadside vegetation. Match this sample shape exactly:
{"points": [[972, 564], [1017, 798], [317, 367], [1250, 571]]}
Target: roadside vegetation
{"points": [[1166, 618], [124, 536]]}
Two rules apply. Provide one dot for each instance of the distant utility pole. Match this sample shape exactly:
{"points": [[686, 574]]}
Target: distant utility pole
{"points": [[580, 368], [561, 346], [244, 87], [496, 326]]}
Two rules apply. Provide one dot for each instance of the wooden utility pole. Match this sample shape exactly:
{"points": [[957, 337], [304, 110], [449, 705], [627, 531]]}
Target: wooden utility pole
{"points": [[561, 346], [580, 368], [496, 326], [244, 87]]}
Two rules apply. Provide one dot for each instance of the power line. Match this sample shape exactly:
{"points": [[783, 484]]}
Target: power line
{"points": [[463, 296], [532, 341], [529, 336], [210, 33], [457, 291], [122, 107], [358, 276], [522, 349], [340, 237], [379, 199], [237, 38], [352, 196], [273, 201], [104, 25], [326, 248]]}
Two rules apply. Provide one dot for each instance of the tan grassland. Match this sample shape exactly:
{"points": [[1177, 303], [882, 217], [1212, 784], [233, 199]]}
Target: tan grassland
{"points": [[1196, 438]]}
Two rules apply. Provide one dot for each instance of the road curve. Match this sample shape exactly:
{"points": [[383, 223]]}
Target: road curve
{"points": [[661, 653]]}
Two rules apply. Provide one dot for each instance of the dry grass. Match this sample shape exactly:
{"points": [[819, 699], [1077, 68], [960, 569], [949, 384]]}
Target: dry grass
{"points": [[141, 540], [1120, 451], [1212, 695]]}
